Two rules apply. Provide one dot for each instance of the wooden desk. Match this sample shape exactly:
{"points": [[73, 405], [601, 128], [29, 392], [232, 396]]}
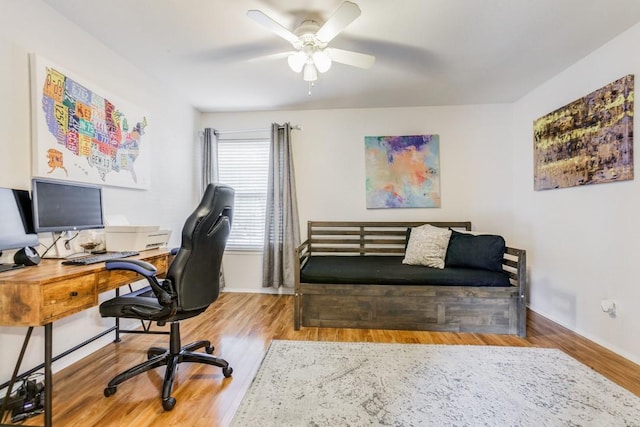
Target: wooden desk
{"points": [[40, 295]]}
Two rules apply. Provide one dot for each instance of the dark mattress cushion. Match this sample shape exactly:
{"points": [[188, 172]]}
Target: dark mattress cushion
{"points": [[389, 270]]}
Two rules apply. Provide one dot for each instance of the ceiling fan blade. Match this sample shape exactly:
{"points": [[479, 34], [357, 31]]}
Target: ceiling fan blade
{"points": [[355, 59], [345, 15], [272, 25], [279, 55]]}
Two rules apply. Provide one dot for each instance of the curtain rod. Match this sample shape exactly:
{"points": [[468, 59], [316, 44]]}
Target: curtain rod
{"points": [[220, 132]]}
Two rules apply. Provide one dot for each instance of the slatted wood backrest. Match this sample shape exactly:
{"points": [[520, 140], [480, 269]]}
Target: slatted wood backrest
{"points": [[364, 238], [515, 264]]}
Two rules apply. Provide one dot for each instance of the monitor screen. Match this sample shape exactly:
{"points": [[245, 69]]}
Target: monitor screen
{"points": [[64, 205], [15, 220]]}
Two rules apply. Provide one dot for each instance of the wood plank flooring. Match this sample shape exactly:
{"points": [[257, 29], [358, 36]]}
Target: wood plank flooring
{"points": [[241, 326]]}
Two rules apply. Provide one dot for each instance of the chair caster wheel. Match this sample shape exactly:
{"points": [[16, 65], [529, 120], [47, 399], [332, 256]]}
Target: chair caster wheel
{"points": [[155, 351], [209, 349], [169, 403], [227, 371], [109, 391]]}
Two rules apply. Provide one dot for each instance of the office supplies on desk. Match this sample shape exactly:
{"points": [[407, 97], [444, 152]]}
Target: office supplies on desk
{"points": [[96, 258], [27, 256]]}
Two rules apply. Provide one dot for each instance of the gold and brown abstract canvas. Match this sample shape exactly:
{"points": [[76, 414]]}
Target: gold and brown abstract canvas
{"points": [[588, 141]]}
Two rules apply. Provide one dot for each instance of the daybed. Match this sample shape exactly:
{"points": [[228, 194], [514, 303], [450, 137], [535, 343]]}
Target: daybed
{"points": [[351, 275]]}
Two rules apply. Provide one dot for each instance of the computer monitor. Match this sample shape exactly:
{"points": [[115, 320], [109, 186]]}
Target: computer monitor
{"points": [[15, 222], [65, 206]]}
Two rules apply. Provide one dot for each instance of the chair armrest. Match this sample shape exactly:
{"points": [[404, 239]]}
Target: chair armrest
{"points": [[148, 271], [141, 267]]}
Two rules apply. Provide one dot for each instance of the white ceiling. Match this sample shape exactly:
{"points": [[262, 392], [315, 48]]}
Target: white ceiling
{"points": [[429, 52]]}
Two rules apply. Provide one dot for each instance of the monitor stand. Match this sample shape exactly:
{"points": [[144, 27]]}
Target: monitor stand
{"points": [[58, 251], [10, 267]]}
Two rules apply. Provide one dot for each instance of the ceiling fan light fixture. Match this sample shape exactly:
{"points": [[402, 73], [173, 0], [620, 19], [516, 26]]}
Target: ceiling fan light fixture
{"points": [[310, 73], [322, 60], [310, 39], [297, 61]]}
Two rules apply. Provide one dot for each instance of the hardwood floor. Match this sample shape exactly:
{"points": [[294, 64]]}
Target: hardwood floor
{"points": [[241, 326]]}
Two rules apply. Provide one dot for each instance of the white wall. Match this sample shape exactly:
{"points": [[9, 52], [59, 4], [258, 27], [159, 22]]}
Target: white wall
{"points": [[582, 242], [475, 160], [33, 27]]}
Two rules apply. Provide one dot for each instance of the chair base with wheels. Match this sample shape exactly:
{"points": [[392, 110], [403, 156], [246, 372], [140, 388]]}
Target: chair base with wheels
{"points": [[171, 357]]}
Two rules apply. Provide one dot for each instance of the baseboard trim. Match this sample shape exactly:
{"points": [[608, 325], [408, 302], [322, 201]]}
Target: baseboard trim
{"points": [[609, 346], [268, 291]]}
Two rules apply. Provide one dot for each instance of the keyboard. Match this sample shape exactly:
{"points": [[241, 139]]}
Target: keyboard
{"points": [[94, 259], [10, 267]]}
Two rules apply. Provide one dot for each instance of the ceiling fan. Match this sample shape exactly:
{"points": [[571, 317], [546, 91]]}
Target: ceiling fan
{"points": [[310, 40]]}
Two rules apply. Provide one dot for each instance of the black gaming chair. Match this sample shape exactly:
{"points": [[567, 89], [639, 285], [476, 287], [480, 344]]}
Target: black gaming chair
{"points": [[192, 283]]}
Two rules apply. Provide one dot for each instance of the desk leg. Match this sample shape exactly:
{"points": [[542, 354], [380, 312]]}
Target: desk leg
{"points": [[14, 376], [48, 377], [117, 320]]}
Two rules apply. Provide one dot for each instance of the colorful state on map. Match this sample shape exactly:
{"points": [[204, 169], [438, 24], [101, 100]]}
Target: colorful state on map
{"points": [[90, 126]]}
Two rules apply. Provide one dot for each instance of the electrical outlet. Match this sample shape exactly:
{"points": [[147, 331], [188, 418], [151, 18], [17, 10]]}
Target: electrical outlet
{"points": [[608, 306]]}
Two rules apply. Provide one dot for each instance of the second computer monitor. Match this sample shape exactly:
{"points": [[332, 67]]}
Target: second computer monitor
{"points": [[64, 205]]}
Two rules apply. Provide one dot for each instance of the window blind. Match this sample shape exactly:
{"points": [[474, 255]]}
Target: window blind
{"points": [[244, 165]]}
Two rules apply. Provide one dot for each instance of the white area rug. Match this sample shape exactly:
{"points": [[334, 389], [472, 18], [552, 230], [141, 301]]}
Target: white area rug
{"points": [[304, 383]]}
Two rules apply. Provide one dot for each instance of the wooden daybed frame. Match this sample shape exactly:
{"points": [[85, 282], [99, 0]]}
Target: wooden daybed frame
{"points": [[500, 310]]}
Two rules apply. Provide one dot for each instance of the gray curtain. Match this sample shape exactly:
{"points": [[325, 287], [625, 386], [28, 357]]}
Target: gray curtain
{"points": [[282, 229], [210, 168], [209, 158]]}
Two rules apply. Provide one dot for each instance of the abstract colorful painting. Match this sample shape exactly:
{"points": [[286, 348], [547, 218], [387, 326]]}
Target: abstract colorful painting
{"points": [[402, 171], [588, 141]]}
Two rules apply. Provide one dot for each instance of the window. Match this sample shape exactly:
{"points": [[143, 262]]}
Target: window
{"points": [[244, 165]]}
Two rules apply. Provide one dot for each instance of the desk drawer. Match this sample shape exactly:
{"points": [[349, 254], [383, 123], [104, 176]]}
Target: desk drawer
{"points": [[113, 279], [68, 297]]}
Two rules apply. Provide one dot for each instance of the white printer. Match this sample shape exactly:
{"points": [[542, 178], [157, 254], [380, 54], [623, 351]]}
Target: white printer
{"points": [[135, 237]]}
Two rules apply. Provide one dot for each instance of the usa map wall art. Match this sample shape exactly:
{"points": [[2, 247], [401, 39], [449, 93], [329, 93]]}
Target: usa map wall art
{"points": [[402, 171], [588, 141], [83, 133]]}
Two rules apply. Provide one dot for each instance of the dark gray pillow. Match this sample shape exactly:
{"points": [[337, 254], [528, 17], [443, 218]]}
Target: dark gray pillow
{"points": [[484, 252]]}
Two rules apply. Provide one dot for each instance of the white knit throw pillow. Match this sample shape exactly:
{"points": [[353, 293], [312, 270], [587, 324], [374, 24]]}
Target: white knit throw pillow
{"points": [[427, 246]]}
